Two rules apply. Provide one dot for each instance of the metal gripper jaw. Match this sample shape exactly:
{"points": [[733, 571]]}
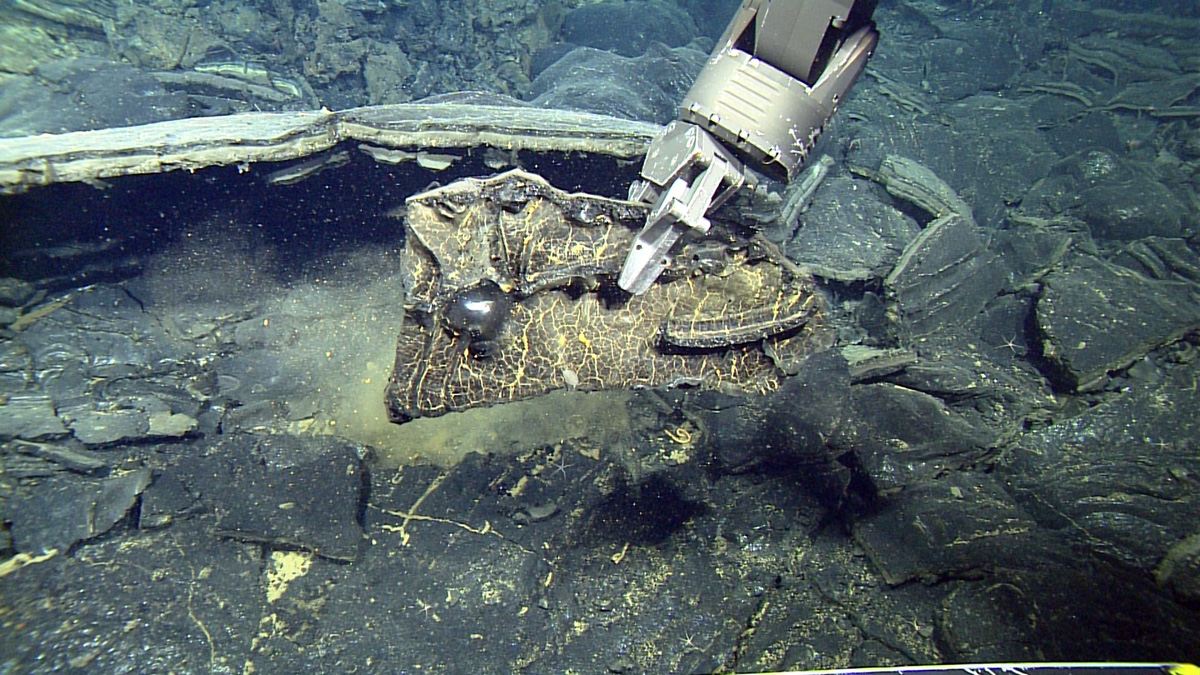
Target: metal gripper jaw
{"points": [[686, 174], [762, 100]]}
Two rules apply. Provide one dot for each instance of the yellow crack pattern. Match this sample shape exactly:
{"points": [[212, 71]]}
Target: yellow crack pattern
{"points": [[729, 329]]}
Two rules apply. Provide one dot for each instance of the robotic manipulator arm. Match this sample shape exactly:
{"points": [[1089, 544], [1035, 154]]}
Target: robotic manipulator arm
{"points": [[775, 78]]}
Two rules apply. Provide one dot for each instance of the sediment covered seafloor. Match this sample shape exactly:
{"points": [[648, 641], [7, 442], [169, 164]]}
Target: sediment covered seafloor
{"points": [[995, 459]]}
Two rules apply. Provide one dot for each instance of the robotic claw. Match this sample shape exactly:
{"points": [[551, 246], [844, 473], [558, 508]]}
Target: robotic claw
{"points": [[775, 78]]}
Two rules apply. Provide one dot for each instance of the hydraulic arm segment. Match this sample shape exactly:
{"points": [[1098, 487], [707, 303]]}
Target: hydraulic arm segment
{"points": [[775, 78]]}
